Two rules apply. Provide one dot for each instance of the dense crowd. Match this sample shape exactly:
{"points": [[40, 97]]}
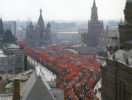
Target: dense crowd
{"points": [[76, 74]]}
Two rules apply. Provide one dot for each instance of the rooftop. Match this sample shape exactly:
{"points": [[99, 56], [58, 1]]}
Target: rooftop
{"points": [[113, 32], [122, 56], [2, 54], [6, 96], [67, 32], [11, 46], [34, 87], [37, 85]]}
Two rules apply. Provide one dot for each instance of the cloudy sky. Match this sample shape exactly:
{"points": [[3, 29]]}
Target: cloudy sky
{"points": [[60, 9]]}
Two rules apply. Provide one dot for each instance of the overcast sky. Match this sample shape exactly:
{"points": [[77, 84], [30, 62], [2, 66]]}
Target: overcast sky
{"points": [[60, 9]]}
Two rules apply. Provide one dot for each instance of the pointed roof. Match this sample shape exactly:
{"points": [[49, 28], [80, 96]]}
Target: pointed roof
{"points": [[8, 37], [1, 27], [94, 3], [40, 20], [36, 88], [48, 25], [31, 25], [94, 13]]}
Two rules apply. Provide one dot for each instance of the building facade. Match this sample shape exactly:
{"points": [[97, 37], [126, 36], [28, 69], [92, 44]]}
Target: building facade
{"points": [[7, 63], [13, 55], [29, 85], [38, 35], [117, 77], [125, 28], [95, 28], [117, 73], [67, 37]]}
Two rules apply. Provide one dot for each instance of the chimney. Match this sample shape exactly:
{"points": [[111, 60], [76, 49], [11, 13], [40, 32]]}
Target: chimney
{"points": [[2, 86], [16, 91]]}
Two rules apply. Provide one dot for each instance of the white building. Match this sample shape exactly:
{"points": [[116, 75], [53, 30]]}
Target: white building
{"points": [[68, 36], [7, 63], [114, 37]]}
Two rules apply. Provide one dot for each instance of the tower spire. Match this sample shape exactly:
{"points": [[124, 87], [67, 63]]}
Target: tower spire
{"points": [[40, 11], [40, 20], [94, 3], [94, 15]]}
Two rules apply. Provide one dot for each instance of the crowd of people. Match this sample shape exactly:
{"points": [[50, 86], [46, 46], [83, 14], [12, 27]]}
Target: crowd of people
{"points": [[76, 74]]}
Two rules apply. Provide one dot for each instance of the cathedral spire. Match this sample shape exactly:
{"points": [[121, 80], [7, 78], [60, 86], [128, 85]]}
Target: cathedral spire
{"points": [[94, 3], [94, 13], [40, 20], [40, 11]]}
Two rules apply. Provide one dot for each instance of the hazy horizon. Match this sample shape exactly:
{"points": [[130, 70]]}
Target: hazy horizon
{"points": [[67, 10]]}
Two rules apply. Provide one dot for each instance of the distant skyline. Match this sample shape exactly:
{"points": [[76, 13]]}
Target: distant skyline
{"points": [[69, 10]]}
